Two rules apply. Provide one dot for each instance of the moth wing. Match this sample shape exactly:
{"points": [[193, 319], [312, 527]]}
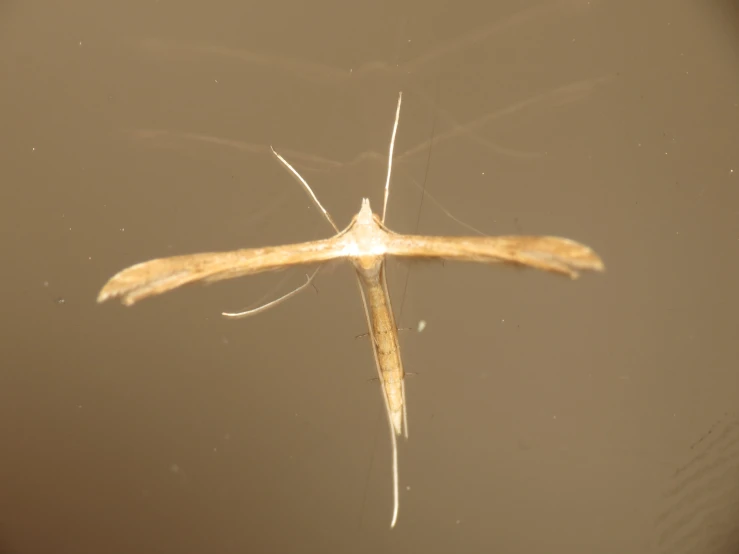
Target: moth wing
{"points": [[553, 254], [164, 274]]}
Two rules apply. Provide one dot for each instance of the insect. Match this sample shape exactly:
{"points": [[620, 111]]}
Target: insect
{"points": [[365, 242]]}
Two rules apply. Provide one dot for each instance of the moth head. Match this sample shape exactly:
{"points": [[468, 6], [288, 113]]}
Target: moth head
{"points": [[364, 217]]}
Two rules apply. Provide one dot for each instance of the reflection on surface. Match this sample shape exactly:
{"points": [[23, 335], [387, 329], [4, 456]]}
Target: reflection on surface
{"points": [[572, 92]]}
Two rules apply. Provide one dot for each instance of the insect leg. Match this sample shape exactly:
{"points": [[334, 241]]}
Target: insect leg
{"points": [[273, 303]]}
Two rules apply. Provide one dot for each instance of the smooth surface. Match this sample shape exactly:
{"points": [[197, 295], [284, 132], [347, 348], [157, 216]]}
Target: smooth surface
{"points": [[546, 415]]}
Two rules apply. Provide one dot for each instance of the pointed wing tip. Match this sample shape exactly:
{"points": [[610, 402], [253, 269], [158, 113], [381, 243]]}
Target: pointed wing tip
{"points": [[584, 258], [118, 286], [110, 290], [137, 282], [595, 263], [596, 266], [105, 294]]}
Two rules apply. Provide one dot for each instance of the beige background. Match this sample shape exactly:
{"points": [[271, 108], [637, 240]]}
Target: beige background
{"points": [[547, 415]]}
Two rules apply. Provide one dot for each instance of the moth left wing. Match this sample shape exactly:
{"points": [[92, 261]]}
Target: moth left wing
{"points": [[164, 274], [554, 254]]}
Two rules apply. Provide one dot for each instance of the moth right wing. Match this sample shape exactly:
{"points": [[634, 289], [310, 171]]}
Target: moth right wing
{"points": [[164, 274], [554, 254]]}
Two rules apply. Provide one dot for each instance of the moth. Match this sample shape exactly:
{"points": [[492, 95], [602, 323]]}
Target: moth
{"points": [[366, 243]]}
